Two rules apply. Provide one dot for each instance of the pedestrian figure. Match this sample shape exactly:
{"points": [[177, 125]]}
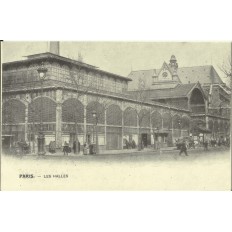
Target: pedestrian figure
{"points": [[126, 146], [142, 145], [52, 147], [66, 148], [183, 148], [133, 144], [78, 146], [157, 145], [85, 152], [206, 145], [74, 147]]}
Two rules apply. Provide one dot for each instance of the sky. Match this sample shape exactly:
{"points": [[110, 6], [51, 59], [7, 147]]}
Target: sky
{"points": [[122, 57]]}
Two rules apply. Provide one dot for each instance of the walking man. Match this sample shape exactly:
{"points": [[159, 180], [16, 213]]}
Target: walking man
{"points": [[74, 147], [65, 149], [183, 148]]}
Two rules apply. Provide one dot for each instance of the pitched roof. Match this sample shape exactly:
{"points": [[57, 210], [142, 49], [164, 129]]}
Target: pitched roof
{"points": [[146, 75], [203, 74], [50, 56], [178, 92]]}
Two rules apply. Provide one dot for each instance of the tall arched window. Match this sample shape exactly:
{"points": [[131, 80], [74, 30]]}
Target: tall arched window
{"points": [[167, 120], [114, 115], [13, 111], [48, 111], [144, 117], [130, 117], [99, 108], [73, 111], [156, 120]]}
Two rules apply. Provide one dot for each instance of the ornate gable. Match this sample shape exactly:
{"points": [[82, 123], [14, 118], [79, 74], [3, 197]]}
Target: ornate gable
{"points": [[165, 73]]}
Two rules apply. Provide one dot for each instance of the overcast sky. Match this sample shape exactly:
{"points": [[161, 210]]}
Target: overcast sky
{"points": [[122, 57]]}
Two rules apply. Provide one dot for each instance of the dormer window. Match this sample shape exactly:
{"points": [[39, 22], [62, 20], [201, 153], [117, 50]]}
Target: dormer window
{"points": [[154, 79]]}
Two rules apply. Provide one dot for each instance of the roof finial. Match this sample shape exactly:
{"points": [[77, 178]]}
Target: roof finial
{"points": [[173, 62]]}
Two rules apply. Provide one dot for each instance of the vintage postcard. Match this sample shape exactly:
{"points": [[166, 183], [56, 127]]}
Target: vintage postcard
{"points": [[116, 115]]}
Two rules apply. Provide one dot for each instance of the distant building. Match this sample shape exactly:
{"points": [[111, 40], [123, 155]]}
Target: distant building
{"points": [[198, 89]]}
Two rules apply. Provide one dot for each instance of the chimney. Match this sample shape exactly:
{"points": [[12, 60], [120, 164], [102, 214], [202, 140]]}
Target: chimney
{"points": [[54, 47]]}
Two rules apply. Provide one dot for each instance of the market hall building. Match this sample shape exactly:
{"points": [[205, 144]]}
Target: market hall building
{"points": [[198, 89], [72, 90]]}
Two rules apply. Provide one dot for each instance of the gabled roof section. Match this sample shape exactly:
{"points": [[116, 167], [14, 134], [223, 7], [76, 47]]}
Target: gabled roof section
{"points": [[166, 66], [179, 91], [203, 74], [146, 75]]}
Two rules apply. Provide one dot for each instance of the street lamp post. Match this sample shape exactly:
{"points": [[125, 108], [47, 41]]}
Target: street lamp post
{"points": [[158, 143], [157, 138], [94, 113], [226, 131], [41, 140], [179, 123]]}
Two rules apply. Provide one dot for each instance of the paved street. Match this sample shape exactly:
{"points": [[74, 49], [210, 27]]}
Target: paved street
{"points": [[132, 155], [147, 170]]}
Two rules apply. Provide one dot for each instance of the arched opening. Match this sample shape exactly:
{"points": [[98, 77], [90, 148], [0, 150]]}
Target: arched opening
{"points": [[72, 118], [167, 121], [13, 111], [46, 111], [13, 122], [144, 123], [227, 128], [114, 115], [221, 127], [197, 102], [130, 128], [185, 125], [95, 129], [144, 117], [100, 111], [211, 125], [216, 127], [176, 122], [114, 132], [72, 111], [176, 126], [156, 120], [130, 117], [167, 125], [156, 123]]}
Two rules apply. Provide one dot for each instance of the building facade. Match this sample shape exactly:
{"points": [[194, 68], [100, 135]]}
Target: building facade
{"points": [[198, 89], [71, 91]]}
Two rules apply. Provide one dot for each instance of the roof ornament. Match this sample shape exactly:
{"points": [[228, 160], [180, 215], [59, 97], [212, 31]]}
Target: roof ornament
{"points": [[173, 63]]}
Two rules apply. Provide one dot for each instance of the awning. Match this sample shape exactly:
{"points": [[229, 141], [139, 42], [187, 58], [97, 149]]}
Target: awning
{"points": [[161, 132], [203, 130]]}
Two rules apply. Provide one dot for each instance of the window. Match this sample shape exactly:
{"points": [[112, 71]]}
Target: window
{"points": [[154, 78], [165, 74]]}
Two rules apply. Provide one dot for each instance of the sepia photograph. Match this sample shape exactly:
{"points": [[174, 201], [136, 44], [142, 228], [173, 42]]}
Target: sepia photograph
{"points": [[116, 115]]}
